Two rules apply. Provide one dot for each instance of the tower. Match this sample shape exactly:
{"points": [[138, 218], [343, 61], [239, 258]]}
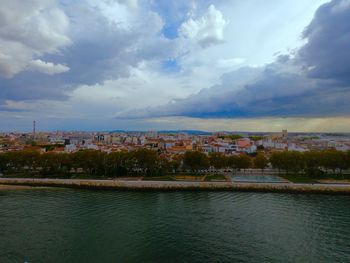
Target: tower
{"points": [[284, 134], [34, 123]]}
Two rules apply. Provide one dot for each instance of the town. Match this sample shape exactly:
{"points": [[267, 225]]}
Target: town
{"points": [[299, 157], [170, 143]]}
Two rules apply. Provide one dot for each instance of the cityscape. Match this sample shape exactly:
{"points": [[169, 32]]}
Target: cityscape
{"points": [[170, 143], [174, 131], [178, 156]]}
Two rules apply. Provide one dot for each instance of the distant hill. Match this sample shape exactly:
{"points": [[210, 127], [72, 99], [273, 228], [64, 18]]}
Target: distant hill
{"points": [[193, 132]]}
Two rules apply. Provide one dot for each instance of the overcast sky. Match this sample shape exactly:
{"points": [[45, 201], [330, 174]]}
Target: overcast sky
{"points": [[156, 64]]}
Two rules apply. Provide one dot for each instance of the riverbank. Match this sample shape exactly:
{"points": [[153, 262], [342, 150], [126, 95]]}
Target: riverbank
{"points": [[180, 185], [14, 187]]}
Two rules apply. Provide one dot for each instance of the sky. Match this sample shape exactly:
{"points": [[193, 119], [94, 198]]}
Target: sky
{"points": [[188, 64]]}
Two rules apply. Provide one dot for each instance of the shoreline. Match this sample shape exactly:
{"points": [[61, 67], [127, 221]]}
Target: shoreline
{"points": [[14, 187], [30, 183]]}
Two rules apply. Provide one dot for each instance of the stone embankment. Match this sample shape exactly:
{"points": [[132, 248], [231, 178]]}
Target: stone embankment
{"points": [[181, 185], [14, 187]]}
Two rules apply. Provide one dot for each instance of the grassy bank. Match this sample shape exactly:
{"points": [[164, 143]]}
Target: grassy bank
{"points": [[298, 179], [215, 177]]}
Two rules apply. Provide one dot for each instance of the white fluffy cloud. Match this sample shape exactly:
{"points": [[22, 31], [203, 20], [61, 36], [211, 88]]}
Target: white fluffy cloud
{"points": [[28, 32], [312, 81], [47, 67], [206, 30], [124, 59]]}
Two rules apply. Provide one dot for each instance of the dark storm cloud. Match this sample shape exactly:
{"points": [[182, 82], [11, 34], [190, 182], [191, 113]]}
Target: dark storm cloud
{"points": [[328, 49], [315, 81]]}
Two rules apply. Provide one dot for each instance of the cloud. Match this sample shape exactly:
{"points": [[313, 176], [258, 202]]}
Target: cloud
{"points": [[27, 32], [105, 40], [230, 62], [129, 3], [47, 67], [100, 42], [270, 124], [312, 81], [102, 63], [327, 51], [206, 30]]}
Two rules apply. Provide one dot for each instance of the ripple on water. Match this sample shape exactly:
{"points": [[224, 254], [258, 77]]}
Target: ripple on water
{"points": [[109, 226]]}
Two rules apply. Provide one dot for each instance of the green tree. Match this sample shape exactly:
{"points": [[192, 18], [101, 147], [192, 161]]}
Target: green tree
{"points": [[217, 160], [116, 164], [175, 163], [195, 160], [347, 160], [146, 161], [91, 161], [256, 137], [22, 161], [244, 162], [288, 161], [165, 166], [276, 160], [232, 161], [312, 161], [260, 161], [3, 162], [294, 161], [52, 163], [334, 160]]}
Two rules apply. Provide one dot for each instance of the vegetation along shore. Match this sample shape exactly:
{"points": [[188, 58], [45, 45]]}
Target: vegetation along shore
{"points": [[314, 171]]}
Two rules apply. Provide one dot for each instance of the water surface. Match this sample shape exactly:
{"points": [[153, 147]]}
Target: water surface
{"points": [[65, 225]]}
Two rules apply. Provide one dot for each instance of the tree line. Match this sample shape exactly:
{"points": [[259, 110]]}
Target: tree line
{"points": [[89, 162], [311, 163], [149, 163], [143, 162]]}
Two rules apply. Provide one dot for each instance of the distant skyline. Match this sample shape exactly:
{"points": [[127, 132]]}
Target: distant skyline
{"points": [[158, 65]]}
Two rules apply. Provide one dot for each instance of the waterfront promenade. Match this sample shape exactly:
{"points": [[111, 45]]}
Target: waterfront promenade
{"points": [[180, 185]]}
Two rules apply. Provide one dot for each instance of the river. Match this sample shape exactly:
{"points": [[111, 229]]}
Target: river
{"points": [[67, 225]]}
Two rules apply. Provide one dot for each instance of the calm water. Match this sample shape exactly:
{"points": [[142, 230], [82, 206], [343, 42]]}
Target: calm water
{"points": [[258, 178], [109, 226]]}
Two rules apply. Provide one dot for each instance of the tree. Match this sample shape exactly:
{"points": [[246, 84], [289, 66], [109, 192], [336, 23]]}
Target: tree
{"points": [[232, 136], [217, 160], [116, 164], [195, 160], [175, 163], [334, 160], [91, 161], [260, 161], [260, 148], [146, 161], [243, 162], [294, 161], [347, 160], [288, 161], [312, 161], [276, 160], [21, 161], [232, 161], [164, 166], [3, 162], [256, 137], [49, 163]]}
